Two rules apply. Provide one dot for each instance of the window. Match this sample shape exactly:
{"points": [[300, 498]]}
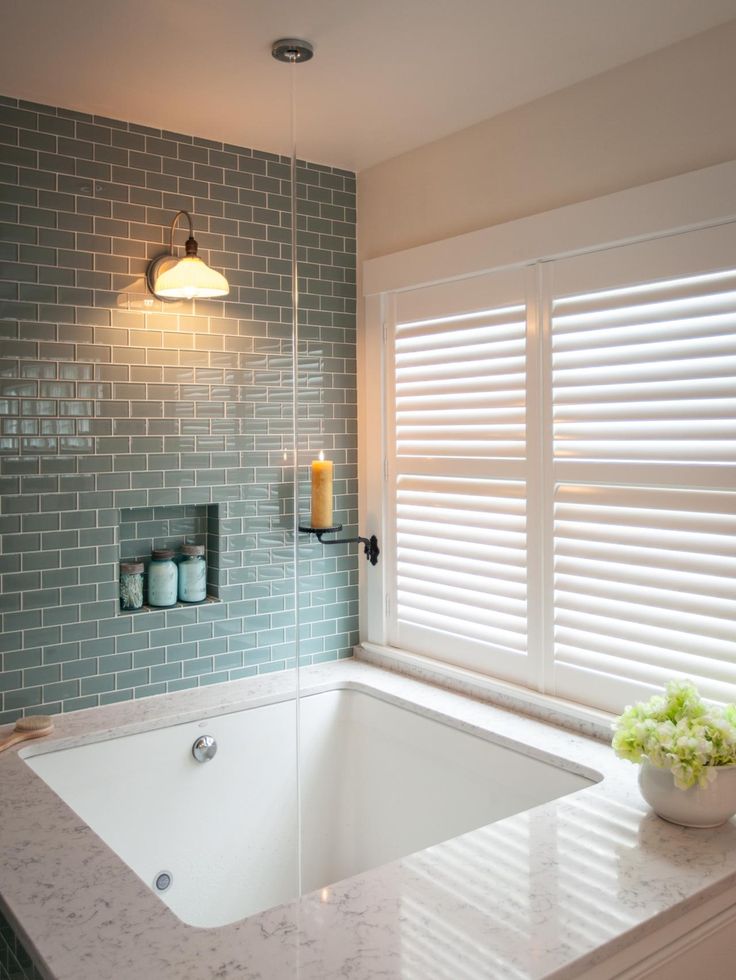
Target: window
{"points": [[561, 480]]}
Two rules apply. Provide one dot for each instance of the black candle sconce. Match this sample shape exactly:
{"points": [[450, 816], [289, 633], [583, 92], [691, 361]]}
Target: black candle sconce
{"points": [[370, 545]]}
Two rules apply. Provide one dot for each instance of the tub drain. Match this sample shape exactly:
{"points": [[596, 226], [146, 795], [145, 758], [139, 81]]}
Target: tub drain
{"points": [[163, 881]]}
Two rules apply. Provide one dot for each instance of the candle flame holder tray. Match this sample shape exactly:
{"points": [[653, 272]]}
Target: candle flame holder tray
{"points": [[370, 545]]}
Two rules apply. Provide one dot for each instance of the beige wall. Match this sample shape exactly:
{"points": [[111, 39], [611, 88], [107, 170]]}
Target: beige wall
{"points": [[661, 115]]}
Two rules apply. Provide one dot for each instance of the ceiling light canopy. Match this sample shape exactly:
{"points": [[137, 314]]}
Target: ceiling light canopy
{"points": [[292, 50], [171, 278]]}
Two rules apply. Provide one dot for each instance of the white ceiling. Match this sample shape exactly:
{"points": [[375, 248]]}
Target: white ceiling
{"points": [[388, 75]]}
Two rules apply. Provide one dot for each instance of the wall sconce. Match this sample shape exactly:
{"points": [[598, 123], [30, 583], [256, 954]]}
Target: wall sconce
{"points": [[170, 278]]}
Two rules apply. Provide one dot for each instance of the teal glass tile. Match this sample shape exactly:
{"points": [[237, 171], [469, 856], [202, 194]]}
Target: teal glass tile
{"points": [[142, 408]]}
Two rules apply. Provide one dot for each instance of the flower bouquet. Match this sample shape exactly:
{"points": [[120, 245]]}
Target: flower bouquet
{"points": [[687, 751]]}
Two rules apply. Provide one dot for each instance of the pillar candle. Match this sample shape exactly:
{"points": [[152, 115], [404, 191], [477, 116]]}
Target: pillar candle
{"points": [[321, 492]]}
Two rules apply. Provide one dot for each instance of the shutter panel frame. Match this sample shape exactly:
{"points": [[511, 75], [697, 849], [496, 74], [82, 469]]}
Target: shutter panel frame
{"points": [[457, 472], [641, 485]]}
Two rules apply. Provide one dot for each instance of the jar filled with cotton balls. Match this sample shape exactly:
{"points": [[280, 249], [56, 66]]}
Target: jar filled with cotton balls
{"points": [[162, 579], [192, 574]]}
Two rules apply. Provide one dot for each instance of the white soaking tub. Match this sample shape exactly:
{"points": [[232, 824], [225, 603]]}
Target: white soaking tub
{"points": [[378, 782]]}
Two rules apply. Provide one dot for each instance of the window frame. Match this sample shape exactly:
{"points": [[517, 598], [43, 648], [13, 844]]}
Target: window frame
{"points": [[701, 199]]}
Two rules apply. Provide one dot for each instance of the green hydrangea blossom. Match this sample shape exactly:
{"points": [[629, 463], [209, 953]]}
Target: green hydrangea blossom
{"points": [[679, 731]]}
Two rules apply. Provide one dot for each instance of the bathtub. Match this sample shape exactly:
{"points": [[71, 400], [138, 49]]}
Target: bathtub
{"points": [[378, 781], [444, 838]]}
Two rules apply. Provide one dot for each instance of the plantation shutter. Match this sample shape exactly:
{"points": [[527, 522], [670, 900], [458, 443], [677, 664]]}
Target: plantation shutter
{"points": [[459, 473], [643, 431]]}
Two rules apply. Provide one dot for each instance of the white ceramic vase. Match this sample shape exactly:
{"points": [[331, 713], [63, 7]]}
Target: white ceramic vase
{"points": [[698, 806]]}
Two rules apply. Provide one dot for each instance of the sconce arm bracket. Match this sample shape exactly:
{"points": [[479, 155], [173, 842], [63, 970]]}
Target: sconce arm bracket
{"points": [[189, 249], [161, 263], [370, 545]]}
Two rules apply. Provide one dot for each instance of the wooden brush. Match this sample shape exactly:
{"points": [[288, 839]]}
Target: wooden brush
{"points": [[35, 726]]}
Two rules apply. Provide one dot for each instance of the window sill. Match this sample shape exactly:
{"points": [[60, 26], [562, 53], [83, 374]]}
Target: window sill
{"points": [[546, 707]]}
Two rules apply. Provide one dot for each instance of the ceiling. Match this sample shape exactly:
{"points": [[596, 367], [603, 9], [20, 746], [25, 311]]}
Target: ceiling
{"points": [[388, 75]]}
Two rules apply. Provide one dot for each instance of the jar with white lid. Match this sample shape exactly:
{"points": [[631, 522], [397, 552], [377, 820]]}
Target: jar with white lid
{"points": [[162, 579], [192, 574]]}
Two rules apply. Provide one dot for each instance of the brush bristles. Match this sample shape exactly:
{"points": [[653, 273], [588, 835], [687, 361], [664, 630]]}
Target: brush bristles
{"points": [[33, 723]]}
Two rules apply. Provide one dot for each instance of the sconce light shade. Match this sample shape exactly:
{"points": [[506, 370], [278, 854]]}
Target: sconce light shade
{"points": [[171, 278], [188, 278]]}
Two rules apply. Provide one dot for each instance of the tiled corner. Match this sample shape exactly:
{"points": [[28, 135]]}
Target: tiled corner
{"points": [[112, 402]]}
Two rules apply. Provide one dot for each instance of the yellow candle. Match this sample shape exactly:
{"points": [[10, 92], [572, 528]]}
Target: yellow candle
{"points": [[321, 492]]}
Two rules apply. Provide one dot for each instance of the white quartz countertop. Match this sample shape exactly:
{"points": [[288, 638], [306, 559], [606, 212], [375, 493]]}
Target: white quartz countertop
{"points": [[546, 893]]}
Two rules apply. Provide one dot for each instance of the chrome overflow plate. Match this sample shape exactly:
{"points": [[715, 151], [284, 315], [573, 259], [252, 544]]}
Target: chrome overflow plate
{"points": [[204, 748]]}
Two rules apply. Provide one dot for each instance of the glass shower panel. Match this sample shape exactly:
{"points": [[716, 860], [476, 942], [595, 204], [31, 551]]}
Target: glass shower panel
{"points": [[317, 279], [326, 422]]}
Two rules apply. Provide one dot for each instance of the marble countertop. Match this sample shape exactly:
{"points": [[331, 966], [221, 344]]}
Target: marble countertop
{"points": [[548, 893]]}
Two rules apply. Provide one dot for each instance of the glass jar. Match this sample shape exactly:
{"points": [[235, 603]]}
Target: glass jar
{"points": [[131, 585], [162, 579], [192, 574]]}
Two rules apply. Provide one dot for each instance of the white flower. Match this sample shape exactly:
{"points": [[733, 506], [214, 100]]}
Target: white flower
{"points": [[679, 732]]}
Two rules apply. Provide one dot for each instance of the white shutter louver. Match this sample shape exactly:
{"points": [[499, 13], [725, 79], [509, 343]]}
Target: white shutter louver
{"points": [[647, 374], [461, 558], [644, 444], [460, 385], [645, 588]]}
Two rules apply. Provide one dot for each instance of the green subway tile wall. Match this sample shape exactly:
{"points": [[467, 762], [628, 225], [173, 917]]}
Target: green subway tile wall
{"points": [[15, 963], [119, 411]]}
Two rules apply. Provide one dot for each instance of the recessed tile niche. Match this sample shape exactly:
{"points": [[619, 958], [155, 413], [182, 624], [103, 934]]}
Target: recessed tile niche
{"points": [[144, 528]]}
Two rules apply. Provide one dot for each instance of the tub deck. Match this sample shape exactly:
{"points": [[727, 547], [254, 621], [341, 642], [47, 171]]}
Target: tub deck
{"points": [[552, 892]]}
